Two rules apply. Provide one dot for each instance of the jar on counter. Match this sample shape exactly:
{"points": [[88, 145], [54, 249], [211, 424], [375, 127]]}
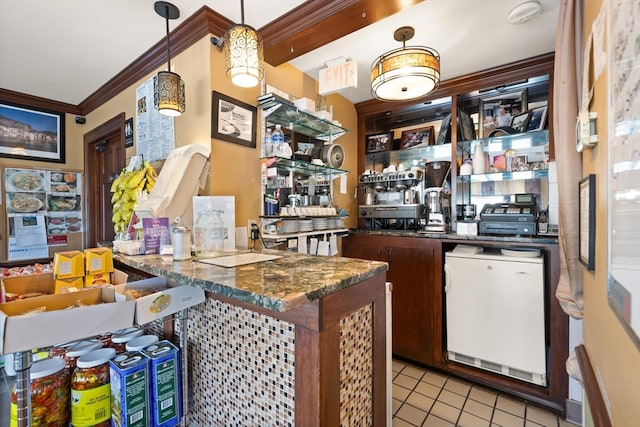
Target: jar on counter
{"points": [[181, 243], [49, 395], [91, 390], [209, 232]]}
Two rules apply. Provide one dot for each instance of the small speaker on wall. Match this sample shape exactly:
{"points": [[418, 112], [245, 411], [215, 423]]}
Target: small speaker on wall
{"points": [[80, 120]]}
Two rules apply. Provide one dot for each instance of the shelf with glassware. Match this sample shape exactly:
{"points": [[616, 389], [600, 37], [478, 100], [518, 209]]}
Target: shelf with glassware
{"points": [[298, 204], [280, 111], [495, 169]]}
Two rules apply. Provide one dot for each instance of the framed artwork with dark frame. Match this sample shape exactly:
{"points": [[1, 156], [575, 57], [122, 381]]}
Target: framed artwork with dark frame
{"points": [[32, 134], [520, 122], [378, 142], [417, 137], [498, 110], [233, 120], [587, 223], [537, 119]]}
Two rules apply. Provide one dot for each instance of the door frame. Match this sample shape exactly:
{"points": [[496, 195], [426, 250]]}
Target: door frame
{"points": [[92, 175]]}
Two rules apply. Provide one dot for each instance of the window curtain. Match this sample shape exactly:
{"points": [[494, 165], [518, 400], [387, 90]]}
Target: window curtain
{"points": [[567, 83]]}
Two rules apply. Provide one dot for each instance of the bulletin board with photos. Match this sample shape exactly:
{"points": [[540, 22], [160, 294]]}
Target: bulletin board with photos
{"points": [[42, 212]]}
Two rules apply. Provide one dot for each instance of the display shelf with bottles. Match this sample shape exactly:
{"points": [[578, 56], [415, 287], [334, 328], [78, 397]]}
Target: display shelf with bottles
{"points": [[279, 111], [514, 164]]}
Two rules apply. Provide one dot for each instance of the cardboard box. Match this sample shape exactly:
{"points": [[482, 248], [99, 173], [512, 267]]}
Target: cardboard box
{"points": [[169, 300], [70, 284], [68, 264], [20, 285], [98, 279], [98, 260], [99, 312]]}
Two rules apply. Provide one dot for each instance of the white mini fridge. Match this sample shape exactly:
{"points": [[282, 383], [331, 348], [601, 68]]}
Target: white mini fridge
{"points": [[495, 312]]}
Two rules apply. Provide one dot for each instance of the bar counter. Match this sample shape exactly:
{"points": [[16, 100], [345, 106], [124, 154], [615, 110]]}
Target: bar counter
{"points": [[299, 340]]}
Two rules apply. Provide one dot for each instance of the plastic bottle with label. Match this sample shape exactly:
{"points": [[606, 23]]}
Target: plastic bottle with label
{"points": [[268, 143], [278, 141]]}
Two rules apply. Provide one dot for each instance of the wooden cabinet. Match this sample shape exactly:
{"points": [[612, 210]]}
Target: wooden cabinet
{"points": [[415, 272]]}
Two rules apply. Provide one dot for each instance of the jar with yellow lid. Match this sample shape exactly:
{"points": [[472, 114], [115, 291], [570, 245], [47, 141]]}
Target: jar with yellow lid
{"points": [[90, 389]]}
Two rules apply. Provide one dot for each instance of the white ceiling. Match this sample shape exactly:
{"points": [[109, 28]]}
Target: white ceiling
{"points": [[65, 50]]}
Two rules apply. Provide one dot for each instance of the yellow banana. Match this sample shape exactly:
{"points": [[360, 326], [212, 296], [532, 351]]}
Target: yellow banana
{"points": [[135, 179]]}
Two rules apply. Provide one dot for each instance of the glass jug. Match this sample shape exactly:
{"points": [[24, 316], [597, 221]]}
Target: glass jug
{"points": [[209, 232]]}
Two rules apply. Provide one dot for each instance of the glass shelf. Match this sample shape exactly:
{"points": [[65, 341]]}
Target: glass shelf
{"points": [[505, 176], [279, 111], [517, 141], [300, 166]]}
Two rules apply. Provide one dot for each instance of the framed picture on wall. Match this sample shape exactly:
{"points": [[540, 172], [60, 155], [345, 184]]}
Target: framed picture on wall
{"points": [[417, 137], [587, 223], [520, 122], [379, 142], [32, 134], [537, 119], [233, 120]]}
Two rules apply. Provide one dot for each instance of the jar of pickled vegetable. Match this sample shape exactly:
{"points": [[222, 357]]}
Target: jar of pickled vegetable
{"points": [[80, 348], [90, 389], [119, 342], [49, 395]]}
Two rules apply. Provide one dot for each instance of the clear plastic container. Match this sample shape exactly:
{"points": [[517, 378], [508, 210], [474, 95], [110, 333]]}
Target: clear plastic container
{"points": [[90, 389], [209, 233], [49, 395]]}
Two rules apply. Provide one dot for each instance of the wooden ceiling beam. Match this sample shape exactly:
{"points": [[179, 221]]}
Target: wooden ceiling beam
{"points": [[319, 22]]}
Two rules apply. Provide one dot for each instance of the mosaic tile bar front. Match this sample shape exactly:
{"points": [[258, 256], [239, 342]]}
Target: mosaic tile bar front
{"points": [[314, 362]]}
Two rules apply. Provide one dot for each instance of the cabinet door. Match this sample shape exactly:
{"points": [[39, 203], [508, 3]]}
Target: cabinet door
{"points": [[411, 273]]}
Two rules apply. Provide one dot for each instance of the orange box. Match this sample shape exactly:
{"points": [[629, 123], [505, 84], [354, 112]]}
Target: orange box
{"points": [[63, 285], [68, 264], [98, 260], [98, 279]]}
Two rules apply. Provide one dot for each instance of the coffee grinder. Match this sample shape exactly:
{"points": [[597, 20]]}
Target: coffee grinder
{"points": [[437, 196]]}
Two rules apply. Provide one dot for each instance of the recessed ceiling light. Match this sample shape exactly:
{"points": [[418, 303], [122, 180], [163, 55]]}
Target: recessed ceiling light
{"points": [[525, 12]]}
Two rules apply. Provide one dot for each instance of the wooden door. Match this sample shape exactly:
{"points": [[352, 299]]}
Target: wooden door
{"points": [[104, 159]]}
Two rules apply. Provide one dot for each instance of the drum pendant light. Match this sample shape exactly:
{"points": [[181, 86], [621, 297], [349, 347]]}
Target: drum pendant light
{"points": [[243, 54], [168, 87], [406, 73]]}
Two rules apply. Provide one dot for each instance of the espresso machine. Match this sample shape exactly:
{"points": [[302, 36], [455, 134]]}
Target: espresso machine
{"points": [[437, 196], [393, 199]]}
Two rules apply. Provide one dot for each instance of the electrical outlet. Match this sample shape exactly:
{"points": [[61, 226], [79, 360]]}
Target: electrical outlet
{"points": [[251, 223]]}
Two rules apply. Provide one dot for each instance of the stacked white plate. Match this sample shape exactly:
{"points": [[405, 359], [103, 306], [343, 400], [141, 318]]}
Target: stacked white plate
{"points": [[305, 225], [332, 223], [319, 223], [288, 227]]}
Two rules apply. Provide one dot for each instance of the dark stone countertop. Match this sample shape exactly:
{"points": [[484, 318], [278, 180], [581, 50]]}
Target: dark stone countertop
{"points": [[281, 284]]}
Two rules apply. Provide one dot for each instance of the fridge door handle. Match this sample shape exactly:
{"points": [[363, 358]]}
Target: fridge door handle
{"points": [[447, 278]]}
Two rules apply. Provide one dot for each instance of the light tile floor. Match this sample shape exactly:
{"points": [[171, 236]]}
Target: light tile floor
{"points": [[430, 399]]}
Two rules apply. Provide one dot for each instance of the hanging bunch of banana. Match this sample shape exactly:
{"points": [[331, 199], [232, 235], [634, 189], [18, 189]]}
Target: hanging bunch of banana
{"points": [[127, 189]]}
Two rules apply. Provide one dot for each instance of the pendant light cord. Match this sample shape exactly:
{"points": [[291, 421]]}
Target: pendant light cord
{"points": [[166, 16], [242, 12]]}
